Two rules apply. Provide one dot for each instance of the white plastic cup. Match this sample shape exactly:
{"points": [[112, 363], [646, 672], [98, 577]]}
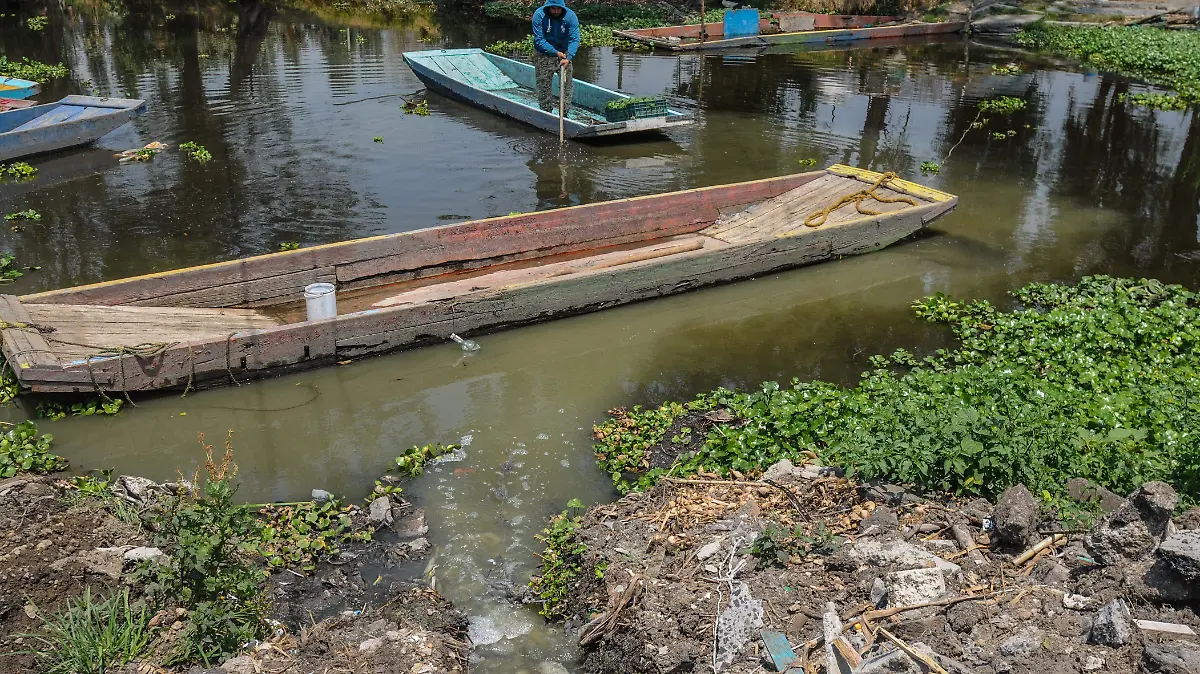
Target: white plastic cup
{"points": [[320, 300]]}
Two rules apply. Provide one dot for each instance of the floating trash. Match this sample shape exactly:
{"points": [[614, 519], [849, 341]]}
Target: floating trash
{"points": [[466, 344], [142, 153]]}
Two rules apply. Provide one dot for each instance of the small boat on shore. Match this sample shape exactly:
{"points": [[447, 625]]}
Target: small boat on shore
{"points": [[7, 104], [12, 87], [71, 122], [226, 322], [506, 87], [783, 28]]}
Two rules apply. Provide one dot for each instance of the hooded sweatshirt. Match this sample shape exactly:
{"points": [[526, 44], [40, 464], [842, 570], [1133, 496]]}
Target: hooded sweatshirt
{"points": [[551, 35]]}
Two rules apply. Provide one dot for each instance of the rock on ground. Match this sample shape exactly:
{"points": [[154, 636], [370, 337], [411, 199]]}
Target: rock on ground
{"points": [[1181, 551], [1172, 657], [1133, 531], [1112, 626], [1016, 516], [915, 586]]}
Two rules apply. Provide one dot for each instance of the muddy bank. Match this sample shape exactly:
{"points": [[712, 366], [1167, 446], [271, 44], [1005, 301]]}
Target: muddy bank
{"points": [[689, 575], [324, 611]]}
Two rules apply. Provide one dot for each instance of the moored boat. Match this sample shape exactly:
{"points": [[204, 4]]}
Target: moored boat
{"points": [[71, 122], [229, 321], [12, 87], [506, 87], [784, 28], [7, 104]]}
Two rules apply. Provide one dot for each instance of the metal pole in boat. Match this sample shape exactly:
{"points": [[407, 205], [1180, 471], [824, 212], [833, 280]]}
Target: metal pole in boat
{"points": [[562, 100]]}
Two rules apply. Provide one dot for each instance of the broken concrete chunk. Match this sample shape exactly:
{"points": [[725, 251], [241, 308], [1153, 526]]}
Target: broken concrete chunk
{"points": [[1092, 663], [1133, 531], [380, 512], [882, 520], [1181, 552], [915, 586], [1157, 581], [141, 554], [370, 645], [1016, 516], [878, 593], [1190, 519], [708, 550], [891, 662], [139, 488], [411, 525], [1172, 657], [897, 553], [779, 470], [1113, 625], [1075, 602], [1023, 644]]}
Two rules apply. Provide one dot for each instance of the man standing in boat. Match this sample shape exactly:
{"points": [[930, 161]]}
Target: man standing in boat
{"points": [[555, 41]]}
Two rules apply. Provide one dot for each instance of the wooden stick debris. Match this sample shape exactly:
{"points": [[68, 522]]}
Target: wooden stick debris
{"points": [[967, 544], [1045, 543], [913, 653]]}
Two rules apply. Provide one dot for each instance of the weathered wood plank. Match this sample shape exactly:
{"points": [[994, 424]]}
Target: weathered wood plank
{"points": [[263, 292], [517, 237], [24, 346]]}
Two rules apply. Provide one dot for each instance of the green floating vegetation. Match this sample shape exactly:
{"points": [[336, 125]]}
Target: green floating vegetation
{"points": [[420, 107], [37, 23], [1002, 106], [1091, 380], [17, 169], [27, 214], [412, 462], [930, 168], [53, 410], [1165, 57], [9, 270], [196, 152], [1009, 69], [24, 450], [807, 162], [297, 535], [289, 245], [377, 139], [35, 71]]}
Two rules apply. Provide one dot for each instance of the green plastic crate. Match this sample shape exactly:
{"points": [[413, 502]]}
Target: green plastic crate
{"points": [[637, 110]]}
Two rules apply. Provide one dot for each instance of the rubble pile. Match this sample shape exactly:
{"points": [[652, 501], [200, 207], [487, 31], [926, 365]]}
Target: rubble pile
{"points": [[805, 571]]}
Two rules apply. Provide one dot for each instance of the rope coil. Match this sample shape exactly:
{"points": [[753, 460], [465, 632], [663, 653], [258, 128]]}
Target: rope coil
{"points": [[818, 218]]}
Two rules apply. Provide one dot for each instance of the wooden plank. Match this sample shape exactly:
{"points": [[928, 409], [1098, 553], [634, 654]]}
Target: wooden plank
{"points": [[24, 346], [265, 292], [442, 249], [56, 116]]}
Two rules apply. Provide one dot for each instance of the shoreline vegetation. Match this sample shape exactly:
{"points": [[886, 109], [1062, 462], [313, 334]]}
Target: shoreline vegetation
{"points": [[1163, 57], [1091, 380]]}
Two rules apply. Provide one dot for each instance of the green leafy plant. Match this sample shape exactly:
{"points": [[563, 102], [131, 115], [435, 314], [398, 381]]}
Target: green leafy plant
{"points": [[196, 152], [930, 168], [10, 388], [420, 108], [289, 245], [1156, 101], [53, 410], [211, 542], [1009, 69], [562, 562], [1165, 57], [27, 214], [771, 546], [299, 534], [35, 71], [24, 450], [378, 139], [17, 169], [412, 462], [37, 23], [807, 162], [93, 634], [9, 270], [622, 103]]}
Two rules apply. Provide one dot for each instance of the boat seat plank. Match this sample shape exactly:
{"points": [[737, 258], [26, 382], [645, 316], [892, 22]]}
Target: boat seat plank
{"points": [[24, 345], [81, 330], [479, 75], [57, 116], [786, 214]]}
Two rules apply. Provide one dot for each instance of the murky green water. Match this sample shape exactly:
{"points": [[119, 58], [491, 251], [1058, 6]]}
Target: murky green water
{"points": [[288, 105]]}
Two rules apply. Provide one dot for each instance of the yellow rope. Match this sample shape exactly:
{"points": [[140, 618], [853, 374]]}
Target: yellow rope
{"points": [[818, 218]]}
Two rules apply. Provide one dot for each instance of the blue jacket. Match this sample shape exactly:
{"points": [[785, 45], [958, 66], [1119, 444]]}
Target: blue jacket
{"points": [[551, 35]]}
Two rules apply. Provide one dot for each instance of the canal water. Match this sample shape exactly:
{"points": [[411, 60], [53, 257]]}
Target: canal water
{"points": [[289, 104]]}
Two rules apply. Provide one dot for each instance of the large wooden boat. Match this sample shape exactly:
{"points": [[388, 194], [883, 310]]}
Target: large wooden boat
{"points": [[506, 87], [230, 321], [787, 28]]}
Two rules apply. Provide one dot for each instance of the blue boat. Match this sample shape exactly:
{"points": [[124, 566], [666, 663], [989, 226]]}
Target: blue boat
{"points": [[71, 122], [12, 87], [506, 87]]}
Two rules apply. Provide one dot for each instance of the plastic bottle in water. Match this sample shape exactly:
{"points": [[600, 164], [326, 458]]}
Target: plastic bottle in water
{"points": [[466, 344]]}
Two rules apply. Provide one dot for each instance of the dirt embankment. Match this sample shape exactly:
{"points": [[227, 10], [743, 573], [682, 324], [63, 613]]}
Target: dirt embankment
{"points": [[693, 575], [55, 544]]}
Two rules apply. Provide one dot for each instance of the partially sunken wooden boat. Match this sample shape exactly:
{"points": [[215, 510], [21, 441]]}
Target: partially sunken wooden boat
{"points": [[506, 87], [786, 28], [12, 87], [236, 320], [71, 122]]}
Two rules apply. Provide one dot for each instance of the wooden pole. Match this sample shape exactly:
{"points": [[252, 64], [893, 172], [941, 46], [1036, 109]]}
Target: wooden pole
{"points": [[562, 100], [703, 29]]}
